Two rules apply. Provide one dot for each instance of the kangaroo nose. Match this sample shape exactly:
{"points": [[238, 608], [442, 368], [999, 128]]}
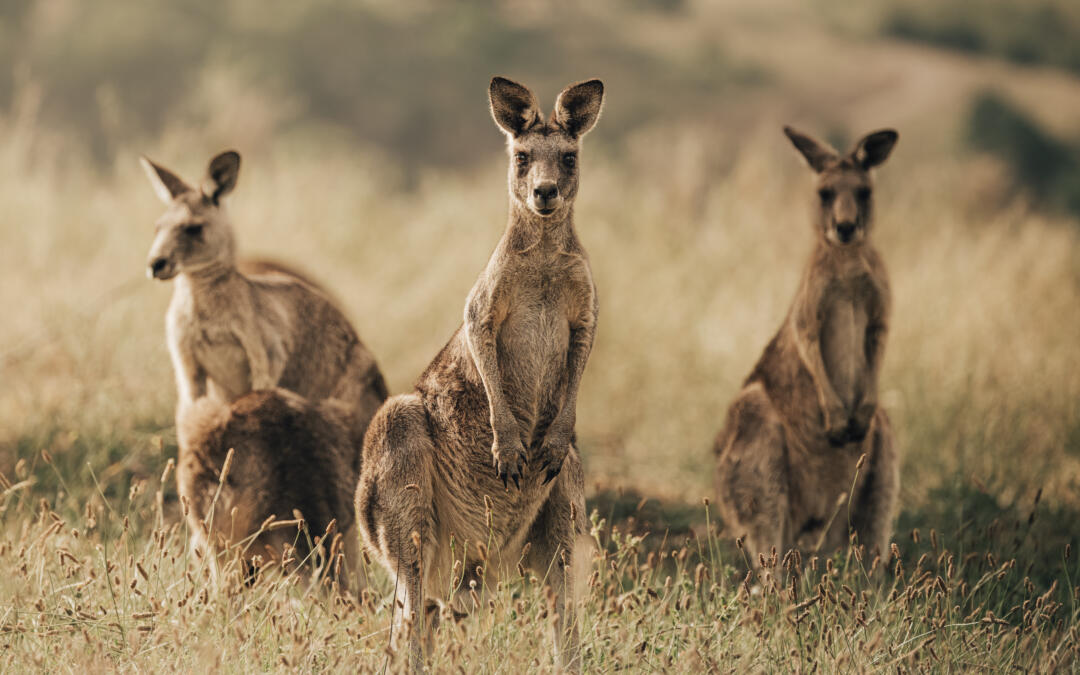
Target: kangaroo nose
{"points": [[157, 266], [546, 191], [845, 231]]}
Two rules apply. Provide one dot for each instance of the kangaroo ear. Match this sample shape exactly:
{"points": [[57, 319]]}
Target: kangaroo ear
{"points": [[221, 175], [167, 185], [817, 154], [874, 148], [513, 106], [578, 107]]}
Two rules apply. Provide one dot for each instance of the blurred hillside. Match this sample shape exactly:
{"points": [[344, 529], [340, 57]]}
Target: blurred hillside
{"points": [[406, 77], [405, 81]]}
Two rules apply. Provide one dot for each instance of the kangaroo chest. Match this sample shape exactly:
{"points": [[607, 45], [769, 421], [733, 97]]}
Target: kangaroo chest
{"points": [[219, 351], [532, 345], [207, 335], [843, 340]]}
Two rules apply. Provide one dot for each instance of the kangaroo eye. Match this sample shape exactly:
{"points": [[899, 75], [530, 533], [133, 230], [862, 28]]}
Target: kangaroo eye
{"points": [[570, 160], [826, 195], [193, 231], [521, 158], [863, 194]]}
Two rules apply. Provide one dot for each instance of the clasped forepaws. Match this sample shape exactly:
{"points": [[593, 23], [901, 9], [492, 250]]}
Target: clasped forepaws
{"points": [[853, 429], [859, 424]]}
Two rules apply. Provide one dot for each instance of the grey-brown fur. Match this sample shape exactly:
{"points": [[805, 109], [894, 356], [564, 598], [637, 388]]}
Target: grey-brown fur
{"points": [[231, 331], [289, 455], [492, 417], [788, 451]]}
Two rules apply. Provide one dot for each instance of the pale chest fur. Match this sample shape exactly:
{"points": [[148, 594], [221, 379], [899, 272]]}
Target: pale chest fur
{"points": [[533, 341], [216, 334], [843, 343], [845, 309]]}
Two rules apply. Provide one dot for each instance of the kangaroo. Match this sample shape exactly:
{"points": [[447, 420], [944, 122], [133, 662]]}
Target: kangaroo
{"points": [[232, 329], [482, 454], [289, 455], [789, 450]]}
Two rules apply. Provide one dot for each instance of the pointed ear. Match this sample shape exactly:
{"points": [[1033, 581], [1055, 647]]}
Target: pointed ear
{"points": [[816, 153], [221, 175], [578, 107], [167, 185], [512, 105], [874, 148]]}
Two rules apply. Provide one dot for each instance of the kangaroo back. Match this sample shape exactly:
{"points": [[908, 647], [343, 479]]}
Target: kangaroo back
{"points": [[288, 457]]}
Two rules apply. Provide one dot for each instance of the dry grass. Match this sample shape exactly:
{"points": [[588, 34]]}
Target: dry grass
{"points": [[981, 379], [115, 588], [697, 233]]}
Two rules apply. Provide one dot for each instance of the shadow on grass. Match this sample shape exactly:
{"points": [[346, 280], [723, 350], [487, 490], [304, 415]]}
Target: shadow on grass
{"points": [[76, 474], [971, 524], [978, 529]]}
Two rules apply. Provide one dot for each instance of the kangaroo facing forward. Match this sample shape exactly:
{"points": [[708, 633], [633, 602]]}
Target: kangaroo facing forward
{"points": [[481, 457], [230, 333], [792, 440]]}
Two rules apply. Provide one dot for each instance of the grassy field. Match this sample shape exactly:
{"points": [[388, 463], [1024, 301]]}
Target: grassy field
{"points": [[696, 220]]}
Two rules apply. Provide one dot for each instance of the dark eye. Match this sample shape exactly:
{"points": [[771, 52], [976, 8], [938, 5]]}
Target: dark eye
{"points": [[521, 158], [193, 231], [863, 194], [826, 195], [569, 160]]}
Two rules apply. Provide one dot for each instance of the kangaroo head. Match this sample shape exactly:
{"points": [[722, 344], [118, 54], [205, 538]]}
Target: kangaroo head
{"points": [[543, 173], [844, 201], [194, 233]]}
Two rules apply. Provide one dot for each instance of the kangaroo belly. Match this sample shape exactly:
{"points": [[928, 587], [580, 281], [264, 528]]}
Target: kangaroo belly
{"points": [[532, 345], [225, 361], [843, 348]]}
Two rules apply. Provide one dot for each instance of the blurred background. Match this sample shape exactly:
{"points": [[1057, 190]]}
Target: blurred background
{"points": [[371, 161]]}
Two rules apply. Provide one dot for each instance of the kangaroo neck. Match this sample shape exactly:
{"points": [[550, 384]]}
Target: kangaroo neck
{"points": [[208, 283], [841, 253], [528, 232]]}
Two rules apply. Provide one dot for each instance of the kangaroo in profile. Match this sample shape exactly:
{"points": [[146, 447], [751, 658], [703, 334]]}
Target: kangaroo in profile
{"points": [[232, 329], [790, 447], [289, 454], [481, 456]]}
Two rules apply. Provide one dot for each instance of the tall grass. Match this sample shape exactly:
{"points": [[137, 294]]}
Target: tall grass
{"points": [[114, 587], [695, 257]]}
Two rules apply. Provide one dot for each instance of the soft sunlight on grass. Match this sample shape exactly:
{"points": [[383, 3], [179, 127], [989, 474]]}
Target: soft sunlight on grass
{"points": [[694, 210]]}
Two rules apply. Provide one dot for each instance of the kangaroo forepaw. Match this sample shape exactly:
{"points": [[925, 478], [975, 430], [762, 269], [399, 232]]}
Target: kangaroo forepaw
{"points": [[836, 425], [552, 470], [838, 436], [553, 463], [857, 430], [859, 424], [509, 464]]}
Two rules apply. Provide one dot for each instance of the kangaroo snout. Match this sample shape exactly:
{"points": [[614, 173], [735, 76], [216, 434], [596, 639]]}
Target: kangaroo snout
{"points": [[159, 268], [546, 197], [845, 232]]}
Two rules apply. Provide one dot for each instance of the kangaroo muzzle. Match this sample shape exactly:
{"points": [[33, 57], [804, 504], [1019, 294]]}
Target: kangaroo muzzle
{"points": [[160, 268], [545, 198], [845, 232]]}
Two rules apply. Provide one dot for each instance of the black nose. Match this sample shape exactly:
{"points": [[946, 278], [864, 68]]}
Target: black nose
{"points": [[845, 231], [158, 265], [546, 191]]}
